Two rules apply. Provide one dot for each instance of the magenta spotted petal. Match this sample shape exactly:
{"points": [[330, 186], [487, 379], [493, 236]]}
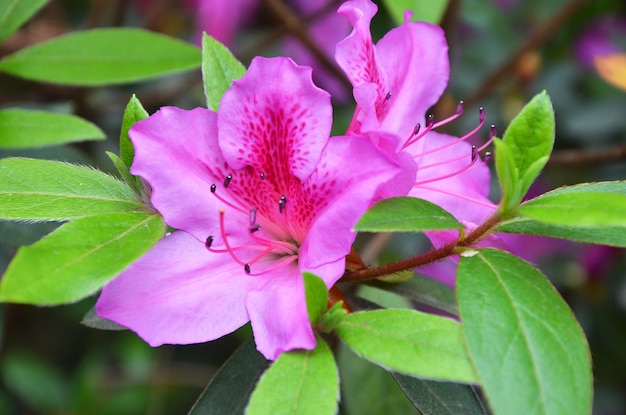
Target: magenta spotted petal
{"points": [[260, 194]]}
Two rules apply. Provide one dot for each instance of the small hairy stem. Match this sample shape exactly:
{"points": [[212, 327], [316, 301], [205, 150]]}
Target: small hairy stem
{"points": [[431, 256]]}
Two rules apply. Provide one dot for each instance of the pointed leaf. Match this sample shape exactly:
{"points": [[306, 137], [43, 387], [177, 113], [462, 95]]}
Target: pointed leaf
{"points": [[78, 258], [316, 296], [47, 190], [410, 342], [406, 214], [441, 398], [219, 69], [521, 334], [14, 13], [299, 382], [29, 128], [134, 112], [229, 391], [101, 57], [578, 209]]}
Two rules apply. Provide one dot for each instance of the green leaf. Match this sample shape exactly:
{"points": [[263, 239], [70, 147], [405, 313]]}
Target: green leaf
{"points": [[219, 69], [410, 342], [316, 296], [368, 389], [299, 382], [441, 398], [230, 389], [101, 57], [30, 128], [133, 182], [134, 112], [521, 334], [529, 140], [431, 11], [578, 209], [41, 190], [78, 258], [406, 214], [14, 13]]}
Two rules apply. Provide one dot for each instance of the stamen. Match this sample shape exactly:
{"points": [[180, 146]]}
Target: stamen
{"points": [[247, 268], [213, 188], [474, 153], [229, 249], [262, 176], [388, 96], [487, 157], [224, 201], [459, 195], [255, 228], [457, 114], [481, 118], [282, 203], [227, 180], [209, 241], [282, 263], [474, 156], [252, 217]]}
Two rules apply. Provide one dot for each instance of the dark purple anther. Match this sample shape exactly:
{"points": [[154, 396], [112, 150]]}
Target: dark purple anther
{"points": [[487, 157], [482, 114], [474, 153], [247, 268], [282, 203], [255, 228], [388, 96], [227, 180], [262, 175], [213, 188], [417, 128], [459, 108], [493, 131], [209, 242], [430, 121], [252, 217]]}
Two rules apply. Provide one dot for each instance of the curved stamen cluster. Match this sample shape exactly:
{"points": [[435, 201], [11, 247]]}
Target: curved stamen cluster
{"points": [[258, 247]]}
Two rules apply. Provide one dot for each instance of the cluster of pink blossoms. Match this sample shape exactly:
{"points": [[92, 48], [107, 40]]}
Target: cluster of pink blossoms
{"points": [[259, 192]]}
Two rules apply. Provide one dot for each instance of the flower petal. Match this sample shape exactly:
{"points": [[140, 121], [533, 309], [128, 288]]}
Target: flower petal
{"points": [[173, 148], [415, 59], [342, 198], [274, 119], [279, 316], [464, 194], [178, 293]]}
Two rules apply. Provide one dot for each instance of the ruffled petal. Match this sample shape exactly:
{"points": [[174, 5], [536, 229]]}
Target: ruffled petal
{"points": [[464, 194], [178, 293], [415, 59], [279, 316], [275, 119], [173, 149], [343, 198]]}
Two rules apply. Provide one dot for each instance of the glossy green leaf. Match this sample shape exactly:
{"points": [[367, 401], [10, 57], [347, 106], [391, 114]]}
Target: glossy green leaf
{"points": [[230, 389], [14, 13], [78, 258], [406, 214], [441, 398], [431, 11], [316, 296], [21, 128], [522, 335], [577, 209], [219, 69], [303, 382], [134, 112], [41, 190], [368, 389], [410, 342], [529, 140], [101, 57]]}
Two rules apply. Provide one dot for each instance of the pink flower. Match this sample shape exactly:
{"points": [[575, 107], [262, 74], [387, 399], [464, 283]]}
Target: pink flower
{"points": [[259, 194], [395, 82]]}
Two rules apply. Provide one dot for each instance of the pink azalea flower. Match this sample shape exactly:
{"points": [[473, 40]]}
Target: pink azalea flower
{"points": [[395, 82], [258, 194]]}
